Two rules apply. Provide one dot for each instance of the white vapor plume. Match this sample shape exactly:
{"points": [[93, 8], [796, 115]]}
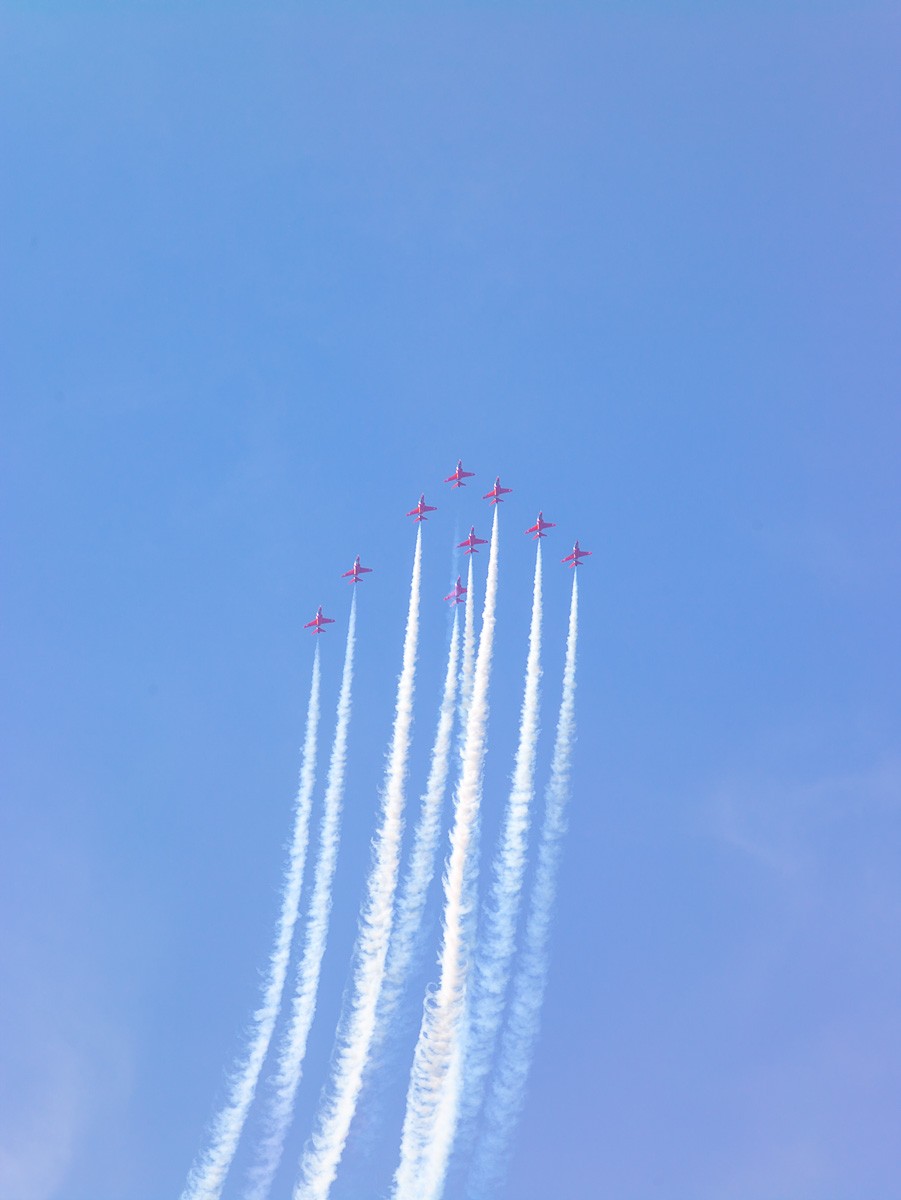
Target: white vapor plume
{"points": [[294, 1042], [469, 657], [433, 1093], [355, 1033], [421, 869], [207, 1176], [507, 1091], [471, 885], [497, 934]]}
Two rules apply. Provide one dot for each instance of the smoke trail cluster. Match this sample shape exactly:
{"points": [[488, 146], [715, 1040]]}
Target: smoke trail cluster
{"points": [[208, 1175], [303, 1005], [479, 1022], [497, 940], [434, 1081], [508, 1085], [412, 900], [321, 1159]]}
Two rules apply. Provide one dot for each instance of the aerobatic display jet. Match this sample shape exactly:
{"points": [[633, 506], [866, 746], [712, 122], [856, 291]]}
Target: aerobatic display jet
{"points": [[539, 527], [459, 475], [458, 593], [356, 571], [575, 559], [318, 621], [419, 512], [496, 492], [471, 542]]}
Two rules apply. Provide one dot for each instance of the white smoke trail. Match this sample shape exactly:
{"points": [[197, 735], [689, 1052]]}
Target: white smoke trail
{"points": [[471, 880], [407, 935], [294, 1042], [469, 657], [507, 1092], [497, 936], [435, 1162], [208, 1175], [321, 1158], [433, 1092], [412, 900]]}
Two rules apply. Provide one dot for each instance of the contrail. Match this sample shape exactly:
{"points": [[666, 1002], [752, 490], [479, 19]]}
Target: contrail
{"points": [[208, 1175], [320, 1161], [497, 936], [469, 657], [433, 1092], [407, 935], [471, 884], [421, 869], [294, 1042], [507, 1092]]}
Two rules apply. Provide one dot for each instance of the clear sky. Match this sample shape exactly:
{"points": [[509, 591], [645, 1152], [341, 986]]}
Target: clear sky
{"points": [[267, 273]]}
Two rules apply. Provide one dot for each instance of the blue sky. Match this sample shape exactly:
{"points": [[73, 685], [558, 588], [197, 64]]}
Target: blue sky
{"points": [[268, 274]]}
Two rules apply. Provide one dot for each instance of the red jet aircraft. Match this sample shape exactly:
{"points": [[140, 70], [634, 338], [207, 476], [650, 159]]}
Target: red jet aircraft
{"points": [[459, 475], [496, 492], [419, 512], [318, 621], [575, 559], [458, 593], [356, 571], [471, 542], [539, 527]]}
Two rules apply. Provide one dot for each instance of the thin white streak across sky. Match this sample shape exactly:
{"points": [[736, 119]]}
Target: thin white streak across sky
{"points": [[208, 1175], [303, 1007], [323, 1153], [508, 1086]]}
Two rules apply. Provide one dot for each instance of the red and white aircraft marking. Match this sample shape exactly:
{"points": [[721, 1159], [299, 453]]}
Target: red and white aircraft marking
{"points": [[459, 475], [539, 527], [471, 542], [458, 593], [419, 512], [575, 559], [318, 621], [496, 492], [356, 571]]}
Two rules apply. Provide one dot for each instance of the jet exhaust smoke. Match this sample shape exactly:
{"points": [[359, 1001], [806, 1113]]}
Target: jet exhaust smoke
{"points": [[507, 1092], [468, 667], [421, 869], [294, 1042], [208, 1175], [433, 1093], [471, 883], [356, 1031], [497, 935]]}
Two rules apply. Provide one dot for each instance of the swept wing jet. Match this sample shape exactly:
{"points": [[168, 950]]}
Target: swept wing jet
{"points": [[496, 492], [318, 621], [471, 542], [459, 475], [575, 559], [419, 512], [458, 593], [356, 571], [539, 527]]}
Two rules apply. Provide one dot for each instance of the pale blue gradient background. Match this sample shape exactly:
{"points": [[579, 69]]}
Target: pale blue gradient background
{"points": [[267, 273]]}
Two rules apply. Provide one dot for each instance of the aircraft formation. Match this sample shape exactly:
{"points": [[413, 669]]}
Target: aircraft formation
{"points": [[469, 545]]}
